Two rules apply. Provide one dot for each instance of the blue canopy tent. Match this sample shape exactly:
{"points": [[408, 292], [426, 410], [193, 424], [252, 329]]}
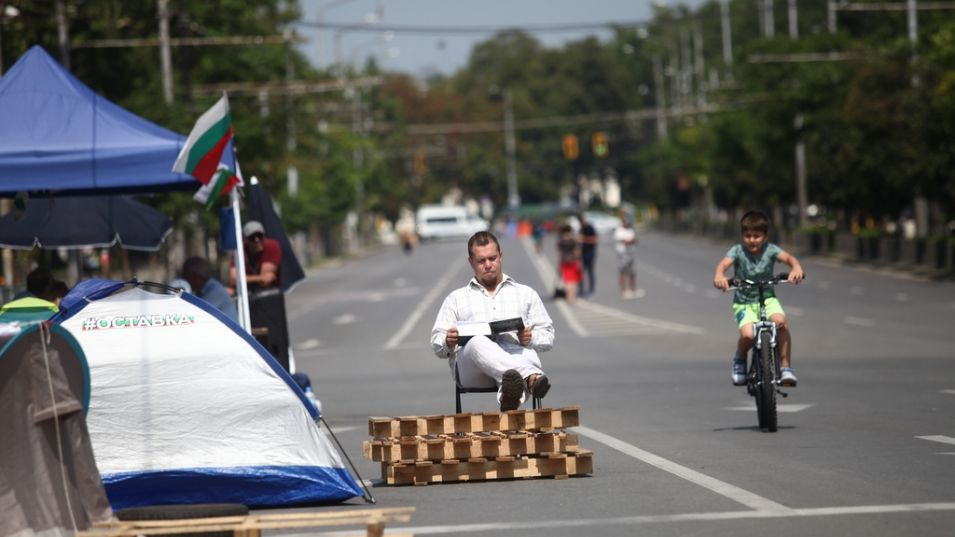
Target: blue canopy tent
{"points": [[58, 136]]}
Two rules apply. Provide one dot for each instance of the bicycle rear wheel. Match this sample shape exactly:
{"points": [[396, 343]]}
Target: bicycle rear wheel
{"points": [[766, 395]]}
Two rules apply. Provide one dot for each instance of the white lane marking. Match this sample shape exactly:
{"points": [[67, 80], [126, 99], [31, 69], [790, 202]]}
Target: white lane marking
{"points": [[514, 528], [902, 297], [346, 318], [309, 344], [689, 288], [572, 322], [720, 487], [950, 392], [425, 304], [788, 409], [938, 438], [640, 320], [859, 321], [547, 274]]}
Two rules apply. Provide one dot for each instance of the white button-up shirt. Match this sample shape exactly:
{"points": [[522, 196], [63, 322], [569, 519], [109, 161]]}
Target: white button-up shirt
{"points": [[474, 303]]}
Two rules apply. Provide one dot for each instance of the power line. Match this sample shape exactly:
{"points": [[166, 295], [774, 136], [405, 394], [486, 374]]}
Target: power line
{"points": [[292, 87], [189, 41], [531, 28], [802, 57], [482, 127], [890, 6]]}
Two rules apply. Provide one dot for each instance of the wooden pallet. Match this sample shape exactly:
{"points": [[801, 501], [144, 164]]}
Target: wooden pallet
{"points": [[468, 446], [541, 419], [251, 525], [558, 465]]}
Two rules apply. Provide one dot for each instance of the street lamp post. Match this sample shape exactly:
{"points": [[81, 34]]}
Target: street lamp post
{"points": [[513, 198]]}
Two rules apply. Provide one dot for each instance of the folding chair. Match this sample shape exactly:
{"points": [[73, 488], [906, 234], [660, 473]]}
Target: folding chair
{"points": [[459, 389]]}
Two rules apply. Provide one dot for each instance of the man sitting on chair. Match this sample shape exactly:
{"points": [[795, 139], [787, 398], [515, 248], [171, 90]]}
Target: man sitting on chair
{"points": [[508, 359]]}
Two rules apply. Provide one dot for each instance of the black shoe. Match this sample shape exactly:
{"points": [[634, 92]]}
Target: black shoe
{"points": [[541, 387], [512, 388]]}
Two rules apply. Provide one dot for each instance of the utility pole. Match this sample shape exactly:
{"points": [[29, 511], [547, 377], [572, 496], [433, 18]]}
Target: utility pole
{"points": [[913, 24], [291, 143], [727, 32], [769, 23], [165, 56], [686, 69], [699, 67], [801, 196], [358, 158], [831, 18], [673, 71], [513, 198], [793, 20], [62, 34], [659, 94], [318, 30], [920, 204]]}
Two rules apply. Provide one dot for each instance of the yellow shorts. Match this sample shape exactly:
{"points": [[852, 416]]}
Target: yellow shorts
{"points": [[749, 313]]}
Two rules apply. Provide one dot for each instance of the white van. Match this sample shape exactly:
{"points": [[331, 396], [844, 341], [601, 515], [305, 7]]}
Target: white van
{"points": [[447, 221]]}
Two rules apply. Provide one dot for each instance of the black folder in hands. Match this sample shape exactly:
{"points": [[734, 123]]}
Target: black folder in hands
{"points": [[467, 330]]}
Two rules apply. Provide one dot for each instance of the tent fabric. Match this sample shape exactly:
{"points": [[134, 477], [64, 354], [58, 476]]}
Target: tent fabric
{"points": [[188, 408], [27, 309], [85, 222], [57, 134], [47, 488]]}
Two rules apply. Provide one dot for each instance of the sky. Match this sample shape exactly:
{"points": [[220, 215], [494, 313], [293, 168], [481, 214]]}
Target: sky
{"points": [[421, 54]]}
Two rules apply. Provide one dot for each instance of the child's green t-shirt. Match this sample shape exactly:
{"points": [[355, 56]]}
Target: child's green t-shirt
{"points": [[759, 267]]}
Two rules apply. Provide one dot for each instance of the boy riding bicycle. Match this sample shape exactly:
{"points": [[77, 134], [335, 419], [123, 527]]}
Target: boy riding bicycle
{"points": [[754, 259]]}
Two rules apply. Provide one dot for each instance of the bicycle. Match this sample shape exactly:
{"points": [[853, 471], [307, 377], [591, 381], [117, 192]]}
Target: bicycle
{"points": [[762, 378]]}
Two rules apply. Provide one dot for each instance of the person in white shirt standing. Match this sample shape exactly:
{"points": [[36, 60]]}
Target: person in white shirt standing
{"points": [[625, 242], [508, 360]]}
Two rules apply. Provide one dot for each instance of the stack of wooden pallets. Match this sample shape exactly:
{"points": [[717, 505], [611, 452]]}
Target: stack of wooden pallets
{"points": [[418, 450], [252, 525]]}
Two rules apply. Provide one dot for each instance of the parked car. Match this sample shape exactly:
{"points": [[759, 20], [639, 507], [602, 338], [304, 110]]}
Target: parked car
{"points": [[447, 221]]}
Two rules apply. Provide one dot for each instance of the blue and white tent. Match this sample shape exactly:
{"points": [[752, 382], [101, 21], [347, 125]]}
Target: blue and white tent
{"points": [[188, 408]]}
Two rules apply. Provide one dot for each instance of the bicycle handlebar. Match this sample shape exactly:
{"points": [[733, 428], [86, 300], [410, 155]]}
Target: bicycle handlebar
{"points": [[742, 283]]}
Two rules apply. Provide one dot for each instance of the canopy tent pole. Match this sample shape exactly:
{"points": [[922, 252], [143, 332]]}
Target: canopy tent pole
{"points": [[241, 290]]}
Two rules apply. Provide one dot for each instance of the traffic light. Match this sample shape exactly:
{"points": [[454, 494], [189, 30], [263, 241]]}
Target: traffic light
{"points": [[571, 149], [420, 166], [599, 144]]}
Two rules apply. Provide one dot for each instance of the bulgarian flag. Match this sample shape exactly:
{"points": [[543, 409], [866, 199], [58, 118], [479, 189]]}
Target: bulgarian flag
{"points": [[220, 184], [203, 150]]}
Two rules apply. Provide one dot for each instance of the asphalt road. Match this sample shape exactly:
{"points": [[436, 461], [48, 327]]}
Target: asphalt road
{"points": [[866, 443]]}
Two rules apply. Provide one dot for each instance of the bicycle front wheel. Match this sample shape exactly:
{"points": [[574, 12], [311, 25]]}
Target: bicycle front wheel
{"points": [[766, 393]]}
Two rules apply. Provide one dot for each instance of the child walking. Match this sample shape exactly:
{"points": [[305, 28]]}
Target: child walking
{"points": [[754, 259]]}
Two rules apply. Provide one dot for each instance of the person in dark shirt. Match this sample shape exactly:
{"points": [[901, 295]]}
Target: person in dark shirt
{"points": [[588, 254], [263, 257], [198, 272], [39, 284]]}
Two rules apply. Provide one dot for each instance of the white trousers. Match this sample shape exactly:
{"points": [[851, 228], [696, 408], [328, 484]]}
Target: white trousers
{"points": [[482, 363]]}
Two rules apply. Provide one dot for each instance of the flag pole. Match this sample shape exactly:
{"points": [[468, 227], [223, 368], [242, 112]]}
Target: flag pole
{"points": [[241, 289]]}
